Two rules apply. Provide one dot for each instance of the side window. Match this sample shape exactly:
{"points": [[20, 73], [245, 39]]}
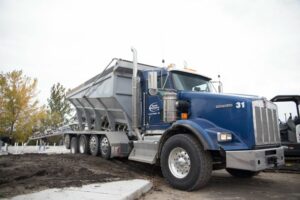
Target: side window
{"points": [[201, 88]]}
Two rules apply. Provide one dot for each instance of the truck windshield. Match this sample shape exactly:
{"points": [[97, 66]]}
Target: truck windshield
{"points": [[191, 82]]}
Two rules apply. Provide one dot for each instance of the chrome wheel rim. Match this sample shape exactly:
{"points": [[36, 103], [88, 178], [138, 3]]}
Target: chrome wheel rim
{"points": [[93, 143], [104, 145], [179, 162]]}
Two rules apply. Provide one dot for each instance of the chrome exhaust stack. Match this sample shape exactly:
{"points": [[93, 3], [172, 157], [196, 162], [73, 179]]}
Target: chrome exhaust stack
{"points": [[135, 96]]}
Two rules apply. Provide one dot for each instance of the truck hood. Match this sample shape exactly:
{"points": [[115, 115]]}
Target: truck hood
{"points": [[228, 111]]}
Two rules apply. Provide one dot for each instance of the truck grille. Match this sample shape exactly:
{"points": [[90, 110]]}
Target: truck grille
{"points": [[265, 121]]}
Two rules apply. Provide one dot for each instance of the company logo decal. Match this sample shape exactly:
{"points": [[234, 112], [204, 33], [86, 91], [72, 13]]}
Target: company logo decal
{"points": [[154, 107]]}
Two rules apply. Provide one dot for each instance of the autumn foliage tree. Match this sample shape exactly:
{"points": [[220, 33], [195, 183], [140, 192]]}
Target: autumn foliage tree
{"points": [[20, 114], [58, 106]]}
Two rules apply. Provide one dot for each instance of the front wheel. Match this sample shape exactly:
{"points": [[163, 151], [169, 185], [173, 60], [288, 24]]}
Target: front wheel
{"points": [[241, 173], [184, 163]]}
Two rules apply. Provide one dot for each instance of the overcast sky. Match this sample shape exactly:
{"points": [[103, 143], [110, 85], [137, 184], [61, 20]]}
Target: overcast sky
{"points": [[253, 45]]}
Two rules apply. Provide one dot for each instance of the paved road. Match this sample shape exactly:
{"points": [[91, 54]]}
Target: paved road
{"points": [[223, 186]]}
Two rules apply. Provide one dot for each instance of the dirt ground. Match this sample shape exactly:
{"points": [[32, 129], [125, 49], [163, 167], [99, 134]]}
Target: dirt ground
{"points": [[20, 174]]}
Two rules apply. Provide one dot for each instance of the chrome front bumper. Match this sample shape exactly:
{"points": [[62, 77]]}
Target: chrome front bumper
{"points": [[255, 160]]}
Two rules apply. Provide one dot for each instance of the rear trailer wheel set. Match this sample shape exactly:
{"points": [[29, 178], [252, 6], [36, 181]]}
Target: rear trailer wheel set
{"points": [[93, 144]]}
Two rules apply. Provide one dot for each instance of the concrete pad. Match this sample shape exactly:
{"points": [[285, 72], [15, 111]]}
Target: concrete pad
{"points": [[118, 190], [35, 149]]}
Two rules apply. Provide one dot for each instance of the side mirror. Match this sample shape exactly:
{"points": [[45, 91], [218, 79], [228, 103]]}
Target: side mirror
{"points": [[152, 83], [220, 87], [217, 85]]}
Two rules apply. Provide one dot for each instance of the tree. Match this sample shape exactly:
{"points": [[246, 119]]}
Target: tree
{"points": [[58, 105], [19, 108]]}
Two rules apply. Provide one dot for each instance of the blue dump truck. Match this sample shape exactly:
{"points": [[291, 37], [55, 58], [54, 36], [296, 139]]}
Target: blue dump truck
{"points": [[174, 119]]}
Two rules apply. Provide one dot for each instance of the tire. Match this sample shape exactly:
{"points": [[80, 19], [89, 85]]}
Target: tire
{"points": [[74, 145], [185, 153], [105, 147], [239, 173], [83, 144], [67, 141], [94, 145]]}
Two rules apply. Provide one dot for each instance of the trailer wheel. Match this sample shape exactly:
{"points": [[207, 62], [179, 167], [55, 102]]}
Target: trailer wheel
{"points": [[241, 173], [67, 141], [184, 163], [83, 144], [105, 147], [94, 145], [74, 145]]}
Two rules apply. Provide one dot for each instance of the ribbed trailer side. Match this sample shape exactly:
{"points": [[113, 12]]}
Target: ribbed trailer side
{"points": [[105, 101]]}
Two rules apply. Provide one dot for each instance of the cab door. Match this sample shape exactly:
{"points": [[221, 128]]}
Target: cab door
{"points": [[153, 108]]}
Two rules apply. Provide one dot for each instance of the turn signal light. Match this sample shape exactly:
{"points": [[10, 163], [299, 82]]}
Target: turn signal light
{"points": [[184, 115]]}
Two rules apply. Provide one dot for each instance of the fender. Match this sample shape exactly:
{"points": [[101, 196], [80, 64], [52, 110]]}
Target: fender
{"points": [[195, 127]]}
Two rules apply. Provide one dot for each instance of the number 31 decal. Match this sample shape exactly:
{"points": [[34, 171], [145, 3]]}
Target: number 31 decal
{"points": [[239, 105]]}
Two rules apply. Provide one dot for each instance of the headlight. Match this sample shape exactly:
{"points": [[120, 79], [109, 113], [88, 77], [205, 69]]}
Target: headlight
{"points": [[224, 137]]}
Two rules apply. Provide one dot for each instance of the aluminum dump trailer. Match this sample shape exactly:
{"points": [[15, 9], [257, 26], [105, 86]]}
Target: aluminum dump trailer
{"points": [[105, 101], [104, 106]]}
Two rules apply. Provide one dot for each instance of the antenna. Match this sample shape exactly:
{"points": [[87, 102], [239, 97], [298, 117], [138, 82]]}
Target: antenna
{"points": [[220, 86], [185, 65]]}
